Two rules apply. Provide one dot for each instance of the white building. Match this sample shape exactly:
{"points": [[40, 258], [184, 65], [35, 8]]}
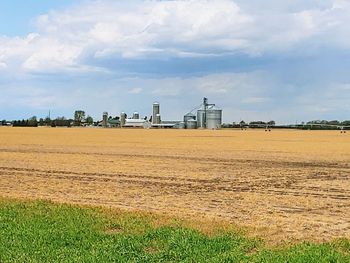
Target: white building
{"points": [[137, 123]]}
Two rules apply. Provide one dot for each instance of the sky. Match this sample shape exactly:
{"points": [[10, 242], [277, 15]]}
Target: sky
{"points": [[287, 61]]}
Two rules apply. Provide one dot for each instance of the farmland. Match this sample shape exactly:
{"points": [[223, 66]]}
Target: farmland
{"points": [[280, 185]]}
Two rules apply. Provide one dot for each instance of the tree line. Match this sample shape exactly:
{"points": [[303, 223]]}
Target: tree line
{"points": [[79, 120], [310, 125]]}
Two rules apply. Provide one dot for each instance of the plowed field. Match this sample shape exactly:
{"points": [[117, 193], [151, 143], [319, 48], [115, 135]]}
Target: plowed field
{"points": [[282, 185]]}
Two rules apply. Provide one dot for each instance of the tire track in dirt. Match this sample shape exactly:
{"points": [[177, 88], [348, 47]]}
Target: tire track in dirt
{"points": [[183, 185], [217, 161]]}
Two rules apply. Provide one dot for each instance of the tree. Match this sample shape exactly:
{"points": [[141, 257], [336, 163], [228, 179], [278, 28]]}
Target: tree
{"points": [[41, 122], [334, 122], [79, 116], [271, 123], [61, 122], [346, 123], [32, 122], [89, 120], [47, 121]]}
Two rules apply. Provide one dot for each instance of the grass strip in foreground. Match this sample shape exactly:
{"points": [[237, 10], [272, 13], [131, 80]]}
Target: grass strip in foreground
{"points": [[42, 231]]}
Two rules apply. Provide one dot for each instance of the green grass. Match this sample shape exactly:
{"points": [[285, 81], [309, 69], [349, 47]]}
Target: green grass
{"points": [[41, 231]]}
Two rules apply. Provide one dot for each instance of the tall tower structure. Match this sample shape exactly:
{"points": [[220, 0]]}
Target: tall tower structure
{"points": [[104, 119], [156, 113], [202, 114], [123, 117], [205, 107]]}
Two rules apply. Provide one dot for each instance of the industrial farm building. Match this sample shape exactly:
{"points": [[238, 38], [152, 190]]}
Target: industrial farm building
{"points": [[206, 116]]}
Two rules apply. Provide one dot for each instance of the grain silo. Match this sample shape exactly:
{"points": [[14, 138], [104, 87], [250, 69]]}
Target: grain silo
{"points": [[213, 118], [156, 111], [201, 119], [136, 115], [122, 119], [191, 124], [189, 116], [182, 125], [209, 116], [157, 120], [105, 120]]}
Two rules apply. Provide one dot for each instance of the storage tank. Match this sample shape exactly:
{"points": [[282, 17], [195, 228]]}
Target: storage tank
{"points": [[157, 119], [191, 124], [189, 116], [136, 115], [146, 125], [105, 119], [214, 118], [182, 125], [122, 119], [201, 119], [156, 111]]}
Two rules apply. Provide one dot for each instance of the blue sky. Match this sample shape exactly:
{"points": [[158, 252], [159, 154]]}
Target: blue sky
{"points": [[17, 16], [283, 60]]}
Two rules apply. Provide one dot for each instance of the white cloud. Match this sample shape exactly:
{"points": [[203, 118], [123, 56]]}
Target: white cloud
{"points": [[70, 39], [52, 55], [341, 87], [168, 87], [37, 102], [135, 91], [250, 96], [3, 65], [254, 100]]}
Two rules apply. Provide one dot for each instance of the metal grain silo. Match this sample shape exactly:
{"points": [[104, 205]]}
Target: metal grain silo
{"points": [[136, 115], [201, 119], [189, 116], [213, 118], [182, 125], [191, 124]]}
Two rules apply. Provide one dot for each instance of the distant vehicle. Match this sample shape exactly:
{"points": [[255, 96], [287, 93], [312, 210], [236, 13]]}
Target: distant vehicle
{"points": [[6, 123]]}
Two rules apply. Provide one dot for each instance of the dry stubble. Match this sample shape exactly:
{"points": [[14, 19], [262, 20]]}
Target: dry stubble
{"points": [[282, 185]]}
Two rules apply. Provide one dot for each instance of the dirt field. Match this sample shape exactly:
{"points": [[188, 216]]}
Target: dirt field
{"points": [[283, 185]]}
